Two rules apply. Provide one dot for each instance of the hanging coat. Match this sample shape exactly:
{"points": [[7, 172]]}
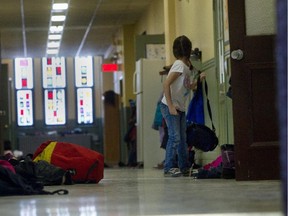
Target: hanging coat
{"points": [[195, 111]]}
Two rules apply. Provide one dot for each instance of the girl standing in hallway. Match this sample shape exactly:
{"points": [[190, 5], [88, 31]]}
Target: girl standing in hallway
{"points": [[176, 88]]}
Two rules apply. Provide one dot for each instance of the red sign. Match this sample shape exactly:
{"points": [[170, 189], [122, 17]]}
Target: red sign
{"points": [[109, 67]]}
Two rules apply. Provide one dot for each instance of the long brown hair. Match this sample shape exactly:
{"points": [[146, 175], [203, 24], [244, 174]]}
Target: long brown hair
{"points": [[182, 47]]}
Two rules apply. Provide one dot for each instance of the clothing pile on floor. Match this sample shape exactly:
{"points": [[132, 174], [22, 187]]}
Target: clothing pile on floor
{"points": [[53, 163], [222, 167]]}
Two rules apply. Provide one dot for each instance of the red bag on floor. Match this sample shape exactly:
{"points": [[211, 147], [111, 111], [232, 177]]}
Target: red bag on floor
{"points": [[87, 164]]}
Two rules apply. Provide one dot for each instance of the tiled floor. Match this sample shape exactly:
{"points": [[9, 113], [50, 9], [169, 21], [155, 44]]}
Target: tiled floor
{"points": [[146, 192]]}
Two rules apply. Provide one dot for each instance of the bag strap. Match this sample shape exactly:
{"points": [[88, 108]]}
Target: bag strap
{"points": [[59, 192], [90, 170], [208, 105]]}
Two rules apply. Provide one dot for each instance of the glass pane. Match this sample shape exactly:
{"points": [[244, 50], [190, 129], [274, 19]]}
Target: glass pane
{"points": [[225, 21], [84, 71], [24, 108], [54, 72], [55, 113], [84, 106], [23, 73], [260, 17]]}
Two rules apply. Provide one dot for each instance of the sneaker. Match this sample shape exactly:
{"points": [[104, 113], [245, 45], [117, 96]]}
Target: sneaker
{"points": [[187, 172], [196, 166], [173, 172]]}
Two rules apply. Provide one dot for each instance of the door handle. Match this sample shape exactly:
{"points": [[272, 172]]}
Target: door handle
{"points": [[2, 113], [237, 54]]}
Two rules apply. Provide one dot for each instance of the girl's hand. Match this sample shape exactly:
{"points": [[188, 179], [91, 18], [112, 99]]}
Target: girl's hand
{"points": [[173, 110], [193, 84], [202, 76]]}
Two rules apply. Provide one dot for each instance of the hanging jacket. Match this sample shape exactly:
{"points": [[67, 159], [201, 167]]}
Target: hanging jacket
{"points": [[195, 113]]}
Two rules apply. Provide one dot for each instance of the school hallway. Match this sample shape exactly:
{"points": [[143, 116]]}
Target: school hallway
{"points": [[126, 191]]}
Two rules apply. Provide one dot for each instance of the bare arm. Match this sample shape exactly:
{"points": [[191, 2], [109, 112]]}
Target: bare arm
{"points": [[167, 92]]}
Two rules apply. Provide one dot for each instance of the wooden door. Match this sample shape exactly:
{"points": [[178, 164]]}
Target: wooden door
{"points": [[4, 106], [254, 90], [111, 128]]}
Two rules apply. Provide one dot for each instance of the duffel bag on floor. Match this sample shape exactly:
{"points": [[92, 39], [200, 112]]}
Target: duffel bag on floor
{"points": [[87, 164]]}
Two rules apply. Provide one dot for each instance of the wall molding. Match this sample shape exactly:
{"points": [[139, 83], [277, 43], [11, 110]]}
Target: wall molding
{"points": [[208, 64]]}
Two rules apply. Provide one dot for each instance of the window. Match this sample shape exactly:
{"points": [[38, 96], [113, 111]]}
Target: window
{"points": [[24, 95], [84, 84], [54, 84]]}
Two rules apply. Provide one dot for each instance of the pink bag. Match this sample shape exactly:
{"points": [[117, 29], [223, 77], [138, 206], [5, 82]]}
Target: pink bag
{"points": [[7, 165], [214, 163]]}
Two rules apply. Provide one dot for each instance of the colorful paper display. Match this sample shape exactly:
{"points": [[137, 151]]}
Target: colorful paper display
{"points": [[55, 108], [84, 84], [84, 106], [54, 72], [24, 108], [83, 71], [23, 73]]}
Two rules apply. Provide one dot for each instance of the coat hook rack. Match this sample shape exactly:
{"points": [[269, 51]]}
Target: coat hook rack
{"points": [[196, 55]]}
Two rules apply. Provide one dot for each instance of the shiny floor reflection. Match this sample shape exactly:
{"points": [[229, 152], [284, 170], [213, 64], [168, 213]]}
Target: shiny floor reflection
{"points": [[147, 192]]}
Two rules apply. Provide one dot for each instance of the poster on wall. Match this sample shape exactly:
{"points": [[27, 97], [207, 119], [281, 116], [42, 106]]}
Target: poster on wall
{"points": [[55, 113], [155, 51], [83, 71], [24, 108], [23, 73], [84, 106], [54, 72]]}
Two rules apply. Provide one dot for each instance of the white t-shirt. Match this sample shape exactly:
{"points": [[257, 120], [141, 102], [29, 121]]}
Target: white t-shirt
{"points": [[180, 87]]}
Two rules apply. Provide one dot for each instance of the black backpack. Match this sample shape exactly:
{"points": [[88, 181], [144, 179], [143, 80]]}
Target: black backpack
{"points": [[42, 172], [14, 184]]}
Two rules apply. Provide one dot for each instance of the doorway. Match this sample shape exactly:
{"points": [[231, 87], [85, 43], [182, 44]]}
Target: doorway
{"points": [[252, 32], [222, 55], [252, 110]]}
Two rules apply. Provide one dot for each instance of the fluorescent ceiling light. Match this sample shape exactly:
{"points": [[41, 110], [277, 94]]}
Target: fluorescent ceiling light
{"points": [[52, 51], [55, 29], [53, 44], [58, 18], [58, 14], [60, 6], [54, 36]]}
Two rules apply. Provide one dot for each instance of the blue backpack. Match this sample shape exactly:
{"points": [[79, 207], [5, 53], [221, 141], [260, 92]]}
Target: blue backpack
{"points": [[198, 134]]}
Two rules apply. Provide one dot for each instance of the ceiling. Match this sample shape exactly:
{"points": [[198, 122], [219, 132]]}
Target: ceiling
{"points": [[89, 26]]}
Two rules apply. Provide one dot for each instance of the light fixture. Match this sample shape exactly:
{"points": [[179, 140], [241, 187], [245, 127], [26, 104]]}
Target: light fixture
{"points": [[56, 29], [54, 36], [52, 51], [60, 6], [56, 25], [58, 18], [53, 44]]}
